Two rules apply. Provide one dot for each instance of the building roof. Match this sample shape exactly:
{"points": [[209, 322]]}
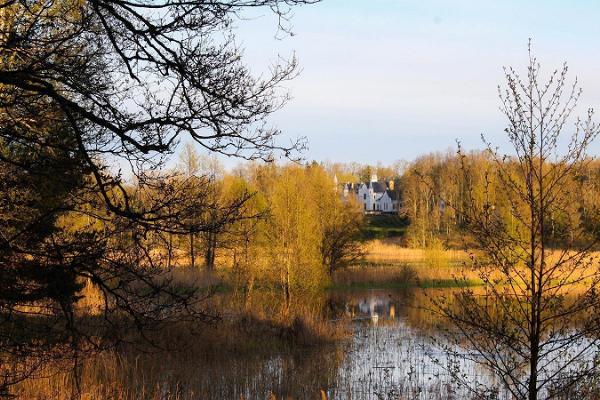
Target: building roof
{"points": [[378, 187], [393, 194]]}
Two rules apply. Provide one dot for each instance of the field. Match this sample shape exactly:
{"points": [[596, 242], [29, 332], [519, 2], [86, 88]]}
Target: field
{"points": [[383, 226]]}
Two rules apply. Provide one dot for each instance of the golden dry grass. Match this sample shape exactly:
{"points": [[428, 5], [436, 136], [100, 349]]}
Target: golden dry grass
{"points": [[246, 332], [389, 251], [405, 275], [386, 261], [388, 264]]}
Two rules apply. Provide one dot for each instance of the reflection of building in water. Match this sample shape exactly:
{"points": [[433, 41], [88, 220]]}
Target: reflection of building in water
{"points": [[375, 318], [374, 305]]}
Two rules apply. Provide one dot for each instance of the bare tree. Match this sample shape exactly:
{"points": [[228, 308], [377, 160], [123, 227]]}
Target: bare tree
{"points": [[131, 78], [85, 85], [535, 323]]}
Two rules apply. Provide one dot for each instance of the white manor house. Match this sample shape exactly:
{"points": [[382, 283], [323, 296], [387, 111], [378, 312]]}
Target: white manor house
{"points": [[375, 196]]}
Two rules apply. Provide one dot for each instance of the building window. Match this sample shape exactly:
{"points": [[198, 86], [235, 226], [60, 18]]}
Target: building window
{"points": [[373, 207], [365, 206], [364, 196]]}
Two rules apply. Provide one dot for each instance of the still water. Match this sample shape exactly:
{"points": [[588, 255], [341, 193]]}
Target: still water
{"points": [[391, 354], [393, 351]]}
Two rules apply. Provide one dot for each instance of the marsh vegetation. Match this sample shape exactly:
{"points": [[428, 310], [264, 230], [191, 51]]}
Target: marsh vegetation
{"points": [[379, 344]]}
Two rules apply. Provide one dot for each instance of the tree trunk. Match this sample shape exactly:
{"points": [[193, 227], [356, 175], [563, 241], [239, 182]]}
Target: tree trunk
{"points": [[533, 371], [286, 284], [192, 255], [211, 246], [249, 291], [288, 297], [170, 251]]}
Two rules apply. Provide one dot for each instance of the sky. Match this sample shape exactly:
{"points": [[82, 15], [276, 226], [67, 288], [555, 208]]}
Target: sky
{"points": [[386, 80]]}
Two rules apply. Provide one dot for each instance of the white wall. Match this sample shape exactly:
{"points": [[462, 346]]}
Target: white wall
{"points": [[382, 202]]}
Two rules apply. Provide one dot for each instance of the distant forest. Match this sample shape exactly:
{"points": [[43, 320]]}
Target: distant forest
{"points": [[436, 191]]}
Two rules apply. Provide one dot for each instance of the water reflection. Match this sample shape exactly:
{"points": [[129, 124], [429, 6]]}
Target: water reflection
{"points": [[375, 306], [391, 354]]}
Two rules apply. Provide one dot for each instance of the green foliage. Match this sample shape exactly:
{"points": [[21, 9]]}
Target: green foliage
{"points": [[439, 189], [381, 226], [297, 230]]}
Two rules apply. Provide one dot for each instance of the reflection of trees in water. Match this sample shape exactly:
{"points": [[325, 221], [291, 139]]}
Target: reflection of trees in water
{"points": [[403, 357], [393, 358]]}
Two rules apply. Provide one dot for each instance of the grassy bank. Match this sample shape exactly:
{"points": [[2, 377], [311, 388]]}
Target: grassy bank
{"points": [[392, 251], [383, 226], [390, 265], [402, 276]]}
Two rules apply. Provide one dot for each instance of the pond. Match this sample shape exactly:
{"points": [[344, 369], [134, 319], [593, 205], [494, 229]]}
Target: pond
{"points": [[390, 354], [393, 351]]}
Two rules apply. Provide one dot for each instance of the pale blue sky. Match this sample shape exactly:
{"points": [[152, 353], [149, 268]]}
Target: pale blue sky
{"points": [[384, 80]]}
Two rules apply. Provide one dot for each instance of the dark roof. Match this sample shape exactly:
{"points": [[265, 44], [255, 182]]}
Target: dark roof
{"points": [[378, 187], [394, 195]]}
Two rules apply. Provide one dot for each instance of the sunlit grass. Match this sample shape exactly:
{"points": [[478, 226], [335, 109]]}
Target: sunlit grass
{"points": [[388, 264], [391, 251]]}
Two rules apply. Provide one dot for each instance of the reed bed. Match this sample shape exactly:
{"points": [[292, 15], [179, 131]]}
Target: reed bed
{"points": [[388, 264], [404, 276], [242, 356], [390, 251]]}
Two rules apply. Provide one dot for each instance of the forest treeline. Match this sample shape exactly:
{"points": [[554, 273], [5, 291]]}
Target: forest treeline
{"points": [[293, 222], [439, 190], [298, 210]]}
